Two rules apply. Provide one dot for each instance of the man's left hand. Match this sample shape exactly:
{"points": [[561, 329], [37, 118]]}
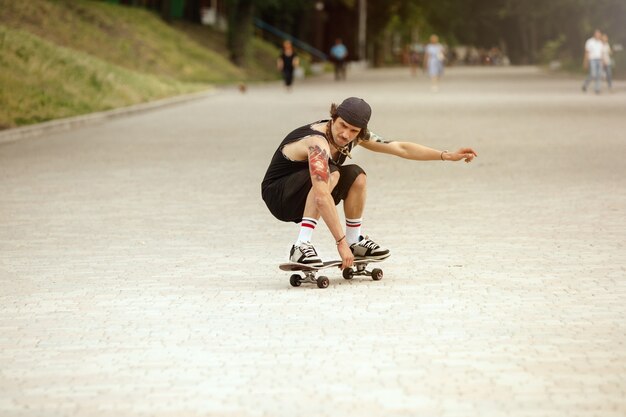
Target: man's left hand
{"points": [[468, 154]]}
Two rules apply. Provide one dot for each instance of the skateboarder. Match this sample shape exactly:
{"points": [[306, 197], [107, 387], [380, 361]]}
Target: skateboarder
{"points": [[307, 178]]}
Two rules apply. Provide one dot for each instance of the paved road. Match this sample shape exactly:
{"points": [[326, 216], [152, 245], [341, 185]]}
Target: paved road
{"points": [[138, 265]]}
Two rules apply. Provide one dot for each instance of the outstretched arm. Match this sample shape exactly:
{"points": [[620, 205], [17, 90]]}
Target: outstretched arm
{"points": [[414, 151]]}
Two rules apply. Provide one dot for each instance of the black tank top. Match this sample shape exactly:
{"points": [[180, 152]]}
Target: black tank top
{"points": [[281, 166], [288, 61]]}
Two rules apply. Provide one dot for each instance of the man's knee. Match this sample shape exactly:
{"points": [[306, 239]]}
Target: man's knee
{"points": [[349, 174], [360, 182]]}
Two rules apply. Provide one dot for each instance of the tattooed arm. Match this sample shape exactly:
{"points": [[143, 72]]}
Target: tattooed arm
{"points": [[318, 164], [410, 150], [318, 155]]}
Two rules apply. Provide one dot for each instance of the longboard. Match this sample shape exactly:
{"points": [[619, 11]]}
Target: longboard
{"points": [[359, 268]]}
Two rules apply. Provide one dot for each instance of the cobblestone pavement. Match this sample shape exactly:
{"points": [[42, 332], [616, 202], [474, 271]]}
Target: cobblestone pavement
{"points": [[138, 264]]}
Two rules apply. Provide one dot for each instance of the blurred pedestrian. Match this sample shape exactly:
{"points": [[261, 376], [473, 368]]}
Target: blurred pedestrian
{"points": [[607, 61], [287, 62], [433, 61], [339, 55], [593, 61], [416, 50]]}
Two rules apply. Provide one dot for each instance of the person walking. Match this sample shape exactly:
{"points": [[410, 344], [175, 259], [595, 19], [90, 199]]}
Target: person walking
{"points": [[433, 61], [307, 178], [338, 55], [415, 52], [593, 61], [287, 62], [607, 61]]}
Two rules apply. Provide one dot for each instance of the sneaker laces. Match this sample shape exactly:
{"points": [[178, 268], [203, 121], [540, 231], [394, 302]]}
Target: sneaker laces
{"points": [[368, 243], [307, 250]]}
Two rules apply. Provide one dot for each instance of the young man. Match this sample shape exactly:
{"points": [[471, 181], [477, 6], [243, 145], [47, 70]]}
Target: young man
{"points": [[306, 179], [593, 61]]}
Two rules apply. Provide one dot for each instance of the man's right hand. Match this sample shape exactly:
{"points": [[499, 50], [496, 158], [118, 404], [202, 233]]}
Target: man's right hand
{"points": [[347, 257]]}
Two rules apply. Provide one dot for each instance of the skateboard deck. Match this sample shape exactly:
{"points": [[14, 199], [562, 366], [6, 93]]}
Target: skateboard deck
{"points": [[359, 268], [294, 266]]}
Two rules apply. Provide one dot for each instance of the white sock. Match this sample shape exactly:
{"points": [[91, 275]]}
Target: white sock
{"points": [[353, 230], [306, 230]]}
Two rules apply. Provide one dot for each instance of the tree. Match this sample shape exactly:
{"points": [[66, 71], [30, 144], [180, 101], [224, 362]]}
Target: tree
{"points": [[241, 14], [522, 27], [240, 29], [166, 10]]}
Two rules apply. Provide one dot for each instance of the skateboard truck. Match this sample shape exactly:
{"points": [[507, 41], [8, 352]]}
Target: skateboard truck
{"points": [[309, 276], [361, 270]]}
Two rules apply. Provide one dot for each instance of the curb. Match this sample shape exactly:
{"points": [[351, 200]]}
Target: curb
{"points": [[60, 125]]}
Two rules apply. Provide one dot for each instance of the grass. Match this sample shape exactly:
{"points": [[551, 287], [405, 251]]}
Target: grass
{"points": [[262, 62], [42, 81], [61, 58]]}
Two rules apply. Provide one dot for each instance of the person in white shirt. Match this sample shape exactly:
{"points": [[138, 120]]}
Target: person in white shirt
{"points": [[606, 60], [434, 57], [593, 61]]}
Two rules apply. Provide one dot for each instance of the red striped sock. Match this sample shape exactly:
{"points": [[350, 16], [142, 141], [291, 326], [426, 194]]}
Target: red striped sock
{"points": [[306, 229], [353, 230]]}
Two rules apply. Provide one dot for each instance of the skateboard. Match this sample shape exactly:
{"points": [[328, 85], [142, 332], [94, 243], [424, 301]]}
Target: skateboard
{"points": [[358, 269]]}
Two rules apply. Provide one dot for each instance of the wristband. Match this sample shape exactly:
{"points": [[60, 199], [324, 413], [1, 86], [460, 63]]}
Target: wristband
{"points": [[441, 156], [339, 241]]}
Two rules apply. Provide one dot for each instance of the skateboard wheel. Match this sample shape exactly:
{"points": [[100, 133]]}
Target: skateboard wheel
{"points": [[377, 274], [295, 280], [348, 273], [322, 282]]}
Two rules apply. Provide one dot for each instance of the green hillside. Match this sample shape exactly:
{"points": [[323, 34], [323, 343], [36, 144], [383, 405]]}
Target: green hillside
{"points": [[62, 58]]}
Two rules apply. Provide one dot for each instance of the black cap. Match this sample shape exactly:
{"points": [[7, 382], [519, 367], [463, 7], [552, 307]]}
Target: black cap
{"points": [[355, 111]]}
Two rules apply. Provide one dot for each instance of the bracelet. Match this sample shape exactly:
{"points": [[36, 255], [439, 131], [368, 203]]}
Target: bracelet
{"points": [[337, 242], [441, 156]]}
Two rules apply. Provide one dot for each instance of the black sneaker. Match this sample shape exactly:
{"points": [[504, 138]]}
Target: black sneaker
{"points": [[367, 248], [306, 254]]}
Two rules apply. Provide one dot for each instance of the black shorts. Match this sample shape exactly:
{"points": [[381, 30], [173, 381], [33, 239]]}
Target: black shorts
{"points": [[287, 196]]}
